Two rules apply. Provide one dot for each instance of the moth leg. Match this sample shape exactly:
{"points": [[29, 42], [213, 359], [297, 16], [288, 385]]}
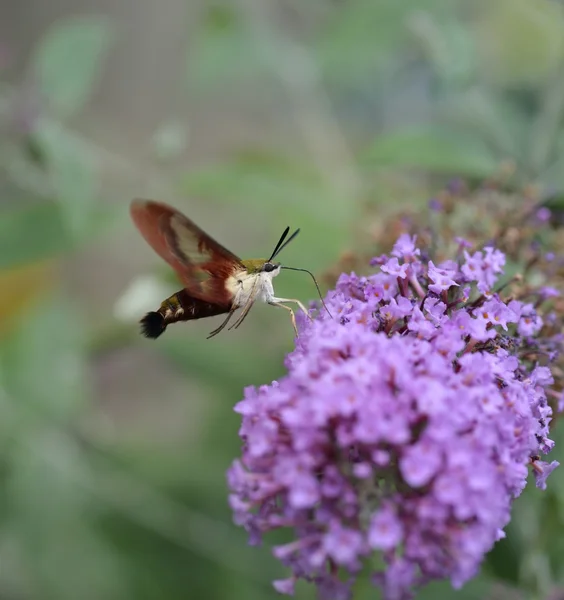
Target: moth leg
{"points": [[223, 324], [303, 308], [292, 315], [242, 316], [246, 309], [247, 306]]}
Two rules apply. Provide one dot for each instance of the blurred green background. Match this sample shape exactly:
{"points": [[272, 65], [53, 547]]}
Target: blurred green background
{"points": [[248, 115]]}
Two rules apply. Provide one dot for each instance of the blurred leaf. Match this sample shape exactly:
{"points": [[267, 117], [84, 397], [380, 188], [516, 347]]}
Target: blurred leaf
{"points": [[479, 587], [276, 191], [521, 558], [160, 569], [358, 39], [256, 177], [68, 61], [435, 149], [52, 517], [30, 234], [546, 127], [503, 562], [447, 43], [48, 513], [44, 363], [224, 50], [363, 39], [72, 174], [553, 174], [237, 365], [38, 232], [20, 287], [519, 41], [497, 120]]}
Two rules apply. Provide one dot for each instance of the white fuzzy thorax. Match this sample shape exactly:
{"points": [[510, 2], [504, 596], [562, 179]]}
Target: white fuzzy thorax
{"points": [[245, 285]]}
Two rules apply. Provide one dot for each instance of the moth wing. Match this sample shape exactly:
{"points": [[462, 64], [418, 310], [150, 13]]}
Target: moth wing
{"points": [[202, 264]]}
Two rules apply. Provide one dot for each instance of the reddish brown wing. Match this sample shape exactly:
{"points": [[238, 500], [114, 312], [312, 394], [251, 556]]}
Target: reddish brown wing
{"points": [[201, 263]]}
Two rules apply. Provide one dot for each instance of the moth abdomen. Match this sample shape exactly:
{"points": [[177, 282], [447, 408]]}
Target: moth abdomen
{"points": [[179, 307]]}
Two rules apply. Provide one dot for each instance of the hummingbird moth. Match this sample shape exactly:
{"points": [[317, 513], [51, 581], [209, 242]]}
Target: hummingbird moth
{"points": [[215, 280]]}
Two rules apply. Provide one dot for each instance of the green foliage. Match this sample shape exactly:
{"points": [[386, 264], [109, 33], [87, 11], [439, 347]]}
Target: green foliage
{"points": [[522, 126], [71, 175], [30, 234], [32, 349], [224, 51], [37, 231], [68, 60], [433, 149], [42, 374], [280, 191], [530, 48], [356, 42]]}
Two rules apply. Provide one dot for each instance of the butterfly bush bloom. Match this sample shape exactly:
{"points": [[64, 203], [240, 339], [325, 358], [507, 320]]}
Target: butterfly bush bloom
{"points": [[404, 427]]}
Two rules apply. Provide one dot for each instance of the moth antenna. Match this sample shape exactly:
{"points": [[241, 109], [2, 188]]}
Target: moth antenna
{"points": [[281, 246], [277, 247], [314, 281]]}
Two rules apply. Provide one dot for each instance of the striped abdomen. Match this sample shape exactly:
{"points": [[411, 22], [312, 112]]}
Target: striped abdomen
{"points": [[179, 307]]}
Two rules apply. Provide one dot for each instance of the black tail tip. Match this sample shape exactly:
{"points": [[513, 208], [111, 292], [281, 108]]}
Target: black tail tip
{"points": [[152, 325]]}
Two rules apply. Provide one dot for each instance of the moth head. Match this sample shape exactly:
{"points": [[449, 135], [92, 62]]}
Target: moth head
{"points": [[272, 268]]}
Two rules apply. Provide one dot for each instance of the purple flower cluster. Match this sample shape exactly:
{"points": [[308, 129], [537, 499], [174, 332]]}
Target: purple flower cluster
{"points": [[404, 428]]}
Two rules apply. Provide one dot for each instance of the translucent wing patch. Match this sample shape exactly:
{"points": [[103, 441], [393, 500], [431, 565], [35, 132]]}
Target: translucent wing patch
{"points": [[202, 264], [187, 244]]}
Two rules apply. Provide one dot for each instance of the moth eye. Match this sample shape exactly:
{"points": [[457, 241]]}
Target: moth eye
{"points": [[269, 267]]}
